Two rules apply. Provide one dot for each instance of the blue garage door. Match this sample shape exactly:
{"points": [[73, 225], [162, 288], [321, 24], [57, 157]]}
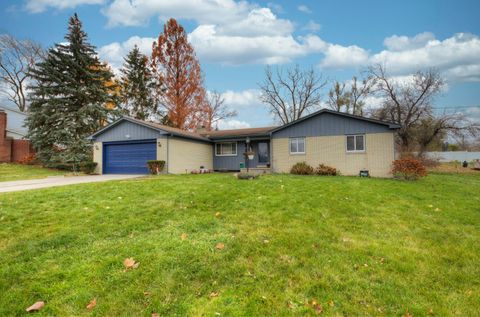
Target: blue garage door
{"points": [[128, 158]]}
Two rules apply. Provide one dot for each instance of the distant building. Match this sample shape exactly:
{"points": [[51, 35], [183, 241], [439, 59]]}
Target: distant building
{"points": [[13, 145], [15, 122]]}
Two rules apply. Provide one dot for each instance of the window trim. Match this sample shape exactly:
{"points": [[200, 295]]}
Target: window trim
{"points": [[220, 143], [290, 145], [355, 143]]}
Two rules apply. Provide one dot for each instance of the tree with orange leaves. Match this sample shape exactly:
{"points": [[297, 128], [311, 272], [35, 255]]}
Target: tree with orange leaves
{"points": [[176, 67]]}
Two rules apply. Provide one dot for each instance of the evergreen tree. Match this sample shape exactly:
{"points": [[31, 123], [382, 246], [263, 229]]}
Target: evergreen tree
{"points": [[137, 87], [68, 99]]}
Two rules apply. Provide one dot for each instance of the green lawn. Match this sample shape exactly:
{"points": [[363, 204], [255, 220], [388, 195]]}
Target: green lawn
{"points": [[355, 246], [13, 172]]}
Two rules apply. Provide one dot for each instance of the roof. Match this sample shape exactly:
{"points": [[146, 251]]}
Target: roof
{"points": [[209, 136], [338, 113], [251, 132], [155, 126]]}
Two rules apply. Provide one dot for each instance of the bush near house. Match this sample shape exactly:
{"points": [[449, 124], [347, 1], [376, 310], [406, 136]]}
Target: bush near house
{"points": [[155, 166], [302, 168], [88, 167], [325, 170], [408, 169]]}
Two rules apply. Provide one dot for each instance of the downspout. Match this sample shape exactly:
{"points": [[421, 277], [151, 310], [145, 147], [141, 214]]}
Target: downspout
{"points": [[168, 154], [271, 153]]}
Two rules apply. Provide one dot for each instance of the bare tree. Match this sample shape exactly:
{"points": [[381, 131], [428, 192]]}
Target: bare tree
{"points": [[352, 100], [17, 57], [408, 103], [291, 95], [338, 98], [216, 110]]}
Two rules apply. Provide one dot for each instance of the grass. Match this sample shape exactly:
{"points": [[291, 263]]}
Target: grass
{"points": [[13, 172], [355, 246], [455, 167]]}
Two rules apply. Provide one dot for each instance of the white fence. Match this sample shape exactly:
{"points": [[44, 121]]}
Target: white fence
{"points": [[454, 156]]}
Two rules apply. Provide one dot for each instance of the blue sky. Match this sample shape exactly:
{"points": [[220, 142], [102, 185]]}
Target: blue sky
{"points": [[236, 40]]}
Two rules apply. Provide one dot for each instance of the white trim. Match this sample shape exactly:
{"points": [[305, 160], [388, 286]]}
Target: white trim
{"points": [[355, 143], [290, 145], [236, 148]]}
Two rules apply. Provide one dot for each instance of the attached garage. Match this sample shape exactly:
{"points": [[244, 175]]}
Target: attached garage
{"points": [[125, 146], [128, 157]]}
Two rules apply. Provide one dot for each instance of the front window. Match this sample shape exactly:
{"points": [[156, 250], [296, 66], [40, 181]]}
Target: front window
{"points": [[226, 149], [297, 146], [355, 143]]}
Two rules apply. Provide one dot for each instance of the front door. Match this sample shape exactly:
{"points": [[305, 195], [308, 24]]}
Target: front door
{"points": [[263, 153]]}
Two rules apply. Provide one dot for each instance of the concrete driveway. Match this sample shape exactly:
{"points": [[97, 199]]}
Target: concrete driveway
{"points": [[53, 181]]}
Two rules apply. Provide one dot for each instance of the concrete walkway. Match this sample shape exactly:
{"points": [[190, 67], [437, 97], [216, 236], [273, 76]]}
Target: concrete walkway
{"points": [[53, 181]]}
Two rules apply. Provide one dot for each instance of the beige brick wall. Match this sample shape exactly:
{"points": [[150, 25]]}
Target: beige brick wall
{"points": [[97, 156], [185, 156], [162, 152], [331, 150]]}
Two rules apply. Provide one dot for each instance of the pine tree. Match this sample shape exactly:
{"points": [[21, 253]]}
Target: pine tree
{"points": [[137, 87], [68, 99]]}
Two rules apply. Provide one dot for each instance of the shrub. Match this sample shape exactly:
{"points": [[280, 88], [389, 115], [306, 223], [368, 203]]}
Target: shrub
{"points": [[155, 167], [60, 166], [408, 169], [88, 167], [326, 170], [245, 175], [29, 159], [302, 168]]}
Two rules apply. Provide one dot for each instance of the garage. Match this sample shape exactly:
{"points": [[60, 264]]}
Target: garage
{"points": [[128, 157], [125, 145]]}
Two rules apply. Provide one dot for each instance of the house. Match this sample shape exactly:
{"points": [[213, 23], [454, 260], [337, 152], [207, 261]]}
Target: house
{"points": [[13, 145], [347, 142]]}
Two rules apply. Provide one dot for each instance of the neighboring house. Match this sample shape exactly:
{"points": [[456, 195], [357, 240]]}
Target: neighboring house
{"points": [[15, 124], [13, 146], [346, 142]]}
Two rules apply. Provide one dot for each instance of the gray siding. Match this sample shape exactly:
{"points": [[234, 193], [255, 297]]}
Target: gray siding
{"points": [[119, 132], [15, 122], [330, 124], [232, 163]]}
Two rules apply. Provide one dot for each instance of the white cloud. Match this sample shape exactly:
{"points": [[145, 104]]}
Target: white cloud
{"points": [[241, 99], [453, 55], [114, 52], [312, 26], [234, 50], [232, 124], [457, 57], [303, 8], [38, 6], [139, 12], [337, 56], [402, 43]]}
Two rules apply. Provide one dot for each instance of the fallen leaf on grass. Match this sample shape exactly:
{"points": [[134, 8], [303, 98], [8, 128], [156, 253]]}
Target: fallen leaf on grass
{"points": [[146, 293], [92, 304], [331, 303], [214, 294], [266, 241], [407, 314], [220, 246], [430, 311], [184, 236], [217, 214], [36, 307], [130, 263], [317, 307], [155, 315]]}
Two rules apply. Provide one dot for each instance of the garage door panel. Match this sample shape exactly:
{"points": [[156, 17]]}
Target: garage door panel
{"points": [[128, 158]]}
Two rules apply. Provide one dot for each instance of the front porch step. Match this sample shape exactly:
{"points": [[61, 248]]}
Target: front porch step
{"points": [[257, 170]]}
